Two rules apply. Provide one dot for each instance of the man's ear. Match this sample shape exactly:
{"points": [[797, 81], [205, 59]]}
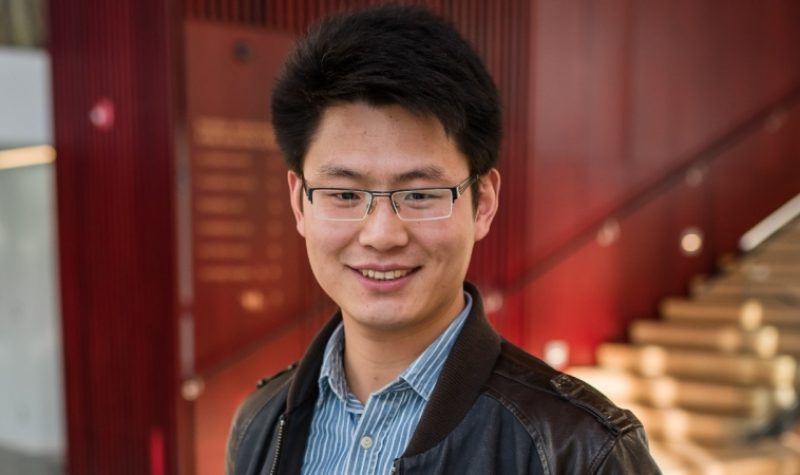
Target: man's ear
{"points": [[488, 200], [296, 199]]}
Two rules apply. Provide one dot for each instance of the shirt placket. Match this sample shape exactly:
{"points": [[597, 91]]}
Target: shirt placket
{"points": [[368, 438]]}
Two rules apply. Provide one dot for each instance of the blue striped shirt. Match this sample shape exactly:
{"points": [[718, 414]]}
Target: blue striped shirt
{"points": [[350, 438]]}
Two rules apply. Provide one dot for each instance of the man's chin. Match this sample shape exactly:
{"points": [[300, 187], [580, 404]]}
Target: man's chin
{"points": [[383, 319]]}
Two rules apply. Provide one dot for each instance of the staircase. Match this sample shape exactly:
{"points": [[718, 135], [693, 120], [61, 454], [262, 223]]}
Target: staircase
{"points": [[715, 380]]}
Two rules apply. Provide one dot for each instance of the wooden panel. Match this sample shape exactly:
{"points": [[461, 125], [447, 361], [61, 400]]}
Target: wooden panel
{"points": [[113, 60], [501, 32], [248, 266], [628, 91], [611, 276]]}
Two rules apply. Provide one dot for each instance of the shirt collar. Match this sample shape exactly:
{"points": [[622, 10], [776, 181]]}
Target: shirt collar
{"points": [[421, 375], [331, 374]]}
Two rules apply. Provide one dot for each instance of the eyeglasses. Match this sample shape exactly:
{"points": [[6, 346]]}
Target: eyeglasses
{"points": [[418, 204]]}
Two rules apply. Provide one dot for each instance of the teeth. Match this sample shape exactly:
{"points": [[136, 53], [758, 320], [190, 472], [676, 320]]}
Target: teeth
{"points": [[388, 275]]}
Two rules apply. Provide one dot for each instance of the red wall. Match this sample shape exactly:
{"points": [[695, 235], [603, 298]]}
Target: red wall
{"points": [[115, 188], [624, 99], [609, 106]]}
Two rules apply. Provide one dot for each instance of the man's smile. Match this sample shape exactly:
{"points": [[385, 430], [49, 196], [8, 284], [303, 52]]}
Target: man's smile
{"points": [[384, 272], [388, 275]]}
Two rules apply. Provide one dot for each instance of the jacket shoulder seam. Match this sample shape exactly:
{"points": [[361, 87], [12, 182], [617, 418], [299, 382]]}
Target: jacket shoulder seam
{"points": [[260, 398], [617, 422], [512, 407], [578, 393]]}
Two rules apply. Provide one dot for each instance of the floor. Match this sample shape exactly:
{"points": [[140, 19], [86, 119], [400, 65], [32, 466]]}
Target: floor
{"points": [[15, 463]]}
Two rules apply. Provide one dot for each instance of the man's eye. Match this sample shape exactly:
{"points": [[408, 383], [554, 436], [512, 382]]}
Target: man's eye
{"points": [[346, 195], [419, 196]]}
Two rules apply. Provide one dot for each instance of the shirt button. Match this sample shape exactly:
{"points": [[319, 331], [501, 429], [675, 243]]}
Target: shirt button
{"points": [[366, 442]]}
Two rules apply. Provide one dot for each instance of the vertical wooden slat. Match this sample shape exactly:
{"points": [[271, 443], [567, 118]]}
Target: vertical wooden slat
{"points": [[115, 231]]}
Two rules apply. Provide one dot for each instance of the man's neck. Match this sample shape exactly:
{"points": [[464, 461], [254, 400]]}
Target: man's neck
{"points": [[374, 359]]}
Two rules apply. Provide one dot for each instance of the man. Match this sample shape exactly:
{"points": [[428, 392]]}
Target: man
{"points": [[390, 125]]}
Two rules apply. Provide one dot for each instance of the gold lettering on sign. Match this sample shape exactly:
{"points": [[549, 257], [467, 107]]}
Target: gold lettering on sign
{"points": [[225, 228], [238, 201], [228, 160], [221, 273], [220, 205], [224, 251], [223, 183], [234, 133]]}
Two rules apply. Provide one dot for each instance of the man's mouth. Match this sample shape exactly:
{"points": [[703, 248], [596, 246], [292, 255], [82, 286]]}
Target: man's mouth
{"points": [[384, 275]]}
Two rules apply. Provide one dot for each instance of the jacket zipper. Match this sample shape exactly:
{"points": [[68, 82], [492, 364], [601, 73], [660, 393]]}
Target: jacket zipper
{"points": [[278, 443]]}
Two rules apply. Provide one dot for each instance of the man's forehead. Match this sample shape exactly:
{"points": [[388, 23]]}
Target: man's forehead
{"points": [[382, 145], [376, 174]]}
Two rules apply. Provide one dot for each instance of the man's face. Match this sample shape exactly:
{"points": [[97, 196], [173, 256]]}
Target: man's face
{"points": [[420, 266]]}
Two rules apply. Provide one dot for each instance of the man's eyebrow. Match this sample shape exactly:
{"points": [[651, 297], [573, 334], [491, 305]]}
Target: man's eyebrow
{"points": [[430, 173], [338, 171]]}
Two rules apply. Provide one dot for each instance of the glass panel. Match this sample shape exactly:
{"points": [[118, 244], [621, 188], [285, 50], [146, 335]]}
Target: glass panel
{"points": [[22, 23]]}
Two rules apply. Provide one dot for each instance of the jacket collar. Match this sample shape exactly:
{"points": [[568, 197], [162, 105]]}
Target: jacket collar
{"points": [[466, 369]]}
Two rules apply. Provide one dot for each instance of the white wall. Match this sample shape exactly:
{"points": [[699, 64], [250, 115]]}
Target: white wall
{"points": [[25, 99], [31, 399], [31, 381]]}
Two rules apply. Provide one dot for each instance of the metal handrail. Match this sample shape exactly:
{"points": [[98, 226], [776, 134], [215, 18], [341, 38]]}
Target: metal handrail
{"points": [[770, 225]]}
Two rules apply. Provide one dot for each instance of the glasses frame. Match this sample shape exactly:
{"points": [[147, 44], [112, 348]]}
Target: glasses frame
{"points": [[455, 191]]}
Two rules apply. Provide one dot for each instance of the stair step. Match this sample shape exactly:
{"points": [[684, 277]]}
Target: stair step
{"points": [[789, 243], [775, 265], [747, 370], [674, 424], [728, 338], [749, 314], [752, 285], [773, 456], [733, 290], [664, 392]]}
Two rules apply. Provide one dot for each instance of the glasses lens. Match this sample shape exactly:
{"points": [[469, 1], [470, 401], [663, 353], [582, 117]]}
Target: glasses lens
{"points": [[340, 205], [423, 205]]}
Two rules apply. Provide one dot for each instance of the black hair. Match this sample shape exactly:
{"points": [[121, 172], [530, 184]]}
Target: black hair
{"points": [[388, 55]]}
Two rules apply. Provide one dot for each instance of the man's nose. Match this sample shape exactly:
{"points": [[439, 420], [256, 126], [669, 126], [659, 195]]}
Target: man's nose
{"points": [[382, 229]]}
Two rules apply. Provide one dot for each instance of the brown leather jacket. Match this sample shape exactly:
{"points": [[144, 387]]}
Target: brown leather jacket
{"points": [[495, 410]]}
